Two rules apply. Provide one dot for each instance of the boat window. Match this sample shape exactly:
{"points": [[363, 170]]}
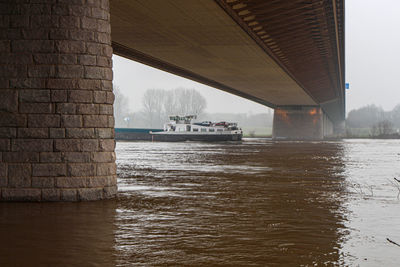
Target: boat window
{"points": [[188, 128], [220, 130], [195, 129], [211, 130], [203, 129]]}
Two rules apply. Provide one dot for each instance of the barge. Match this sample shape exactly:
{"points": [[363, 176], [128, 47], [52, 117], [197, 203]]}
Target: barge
{"points": [[181, 128]]}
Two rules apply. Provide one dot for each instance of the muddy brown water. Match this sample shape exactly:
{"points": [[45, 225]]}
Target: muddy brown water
{"points": [[252, 203]]}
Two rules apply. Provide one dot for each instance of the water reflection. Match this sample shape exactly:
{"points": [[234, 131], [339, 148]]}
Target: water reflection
{"points": [[238, 204], [57, 234]]}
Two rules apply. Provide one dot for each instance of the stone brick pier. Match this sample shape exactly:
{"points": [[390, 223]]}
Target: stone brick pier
{"points": [[56, 101]]}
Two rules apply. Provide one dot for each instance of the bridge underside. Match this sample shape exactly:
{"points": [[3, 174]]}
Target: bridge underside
{"points": [[277, 53]]}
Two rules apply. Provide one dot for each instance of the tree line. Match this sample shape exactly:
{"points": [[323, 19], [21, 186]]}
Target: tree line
{"points": [[158, 104], [375, 119]]}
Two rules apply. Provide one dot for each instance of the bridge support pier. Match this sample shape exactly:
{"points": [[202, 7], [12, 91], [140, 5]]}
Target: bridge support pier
{"points": [[301, 123], [56, 101]]}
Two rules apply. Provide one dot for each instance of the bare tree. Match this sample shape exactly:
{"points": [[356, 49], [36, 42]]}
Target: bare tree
{"points": [[121, 108], [380, 128], [159, 103], [153, 106]]}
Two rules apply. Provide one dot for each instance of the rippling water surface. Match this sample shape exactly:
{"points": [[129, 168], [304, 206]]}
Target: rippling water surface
{"points": [[256, 202]]}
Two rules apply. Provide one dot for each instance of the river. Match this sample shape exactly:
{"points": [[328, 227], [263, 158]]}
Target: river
{"points": [[251, 203]]}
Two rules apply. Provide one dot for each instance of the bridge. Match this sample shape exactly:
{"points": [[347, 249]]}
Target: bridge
{"points": [[56, 114]]}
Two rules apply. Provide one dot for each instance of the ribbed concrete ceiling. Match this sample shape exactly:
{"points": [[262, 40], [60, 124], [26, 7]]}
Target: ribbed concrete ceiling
{"points": [[275, 52]]}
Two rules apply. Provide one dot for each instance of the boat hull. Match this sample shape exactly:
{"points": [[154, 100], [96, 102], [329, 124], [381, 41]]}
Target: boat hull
{"points": [[168, 137]]}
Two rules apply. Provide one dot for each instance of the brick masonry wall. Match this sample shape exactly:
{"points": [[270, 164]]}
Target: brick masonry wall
{"points": [[56, 101]]}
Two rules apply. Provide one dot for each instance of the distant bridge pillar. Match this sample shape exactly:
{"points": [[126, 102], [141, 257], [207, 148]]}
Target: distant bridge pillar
{"points": [[301, 123], [56, 101]]}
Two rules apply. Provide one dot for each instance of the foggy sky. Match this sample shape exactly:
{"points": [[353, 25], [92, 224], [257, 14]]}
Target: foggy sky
{"points": [[372, 56]]}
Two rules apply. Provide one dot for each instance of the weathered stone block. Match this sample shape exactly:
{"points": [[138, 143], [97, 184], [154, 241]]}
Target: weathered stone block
{"points": [[81, 169], [73, 121], [32, 145], [41, 71], [13, 71], [69, 71], [90, 145], [33, 132], [110, 192], [44, 21], [94, 48], [82, 35], [32, 108], [19, 175], [106, 109], [100, 13], [21, 194], [34, 96], [71, 182], [59, 96], [5, 144], [47, 157], [80, 96], [103, 26], [43, 182], [36, 34], [104, 61], [61, 83], [87, 60], [100, 97], [69, 195], [70, 145], [12, 120], [57, 132], [100, 181], [111, 121], [51, 194], [30, 83], [104, 169], [107, 51], [21, 157], [86, 109], [8, 132], [105, 133], [43, 120], [8, 101], [69, 22], [68, 46], [3, 183], [87, 194], [110, 98], [95, 121], [106, 85], [33, 46], [80, 133], [18, 21], [108, 157], [3, 169], [107, 145], [78, 157], [90, 84], [59, 34], [49, 169], [89, 23], [68, 108], [36, 9]]}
